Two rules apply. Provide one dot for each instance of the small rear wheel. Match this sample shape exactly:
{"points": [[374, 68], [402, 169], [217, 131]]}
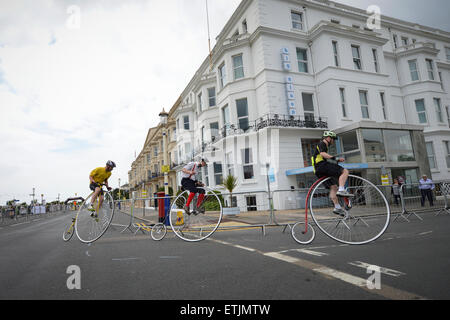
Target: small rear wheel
{"points": [[301, 234], [158, 232], [69, 230]]}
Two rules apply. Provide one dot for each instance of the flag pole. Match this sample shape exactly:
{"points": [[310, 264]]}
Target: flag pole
{"points": [[209, 37]]}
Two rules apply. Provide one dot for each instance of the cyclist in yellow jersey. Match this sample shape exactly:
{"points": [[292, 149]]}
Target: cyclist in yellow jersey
{"points": [[98, 177], [323, 167]]}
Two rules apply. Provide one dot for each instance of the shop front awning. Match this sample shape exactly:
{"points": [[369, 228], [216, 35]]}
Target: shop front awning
{"points": [[348, 166]]}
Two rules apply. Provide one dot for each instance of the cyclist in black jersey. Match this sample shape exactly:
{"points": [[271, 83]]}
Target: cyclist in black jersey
{"points": [[323, 167]]}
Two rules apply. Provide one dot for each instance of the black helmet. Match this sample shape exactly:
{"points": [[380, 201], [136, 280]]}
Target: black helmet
{"points": [[111, 164]]}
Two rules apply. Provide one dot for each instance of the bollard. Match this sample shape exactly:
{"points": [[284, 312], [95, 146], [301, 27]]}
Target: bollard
{"points": [[161, 211], [167, 210]]}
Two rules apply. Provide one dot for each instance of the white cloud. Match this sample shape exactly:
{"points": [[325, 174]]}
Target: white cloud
{"points": [[72, 99]]}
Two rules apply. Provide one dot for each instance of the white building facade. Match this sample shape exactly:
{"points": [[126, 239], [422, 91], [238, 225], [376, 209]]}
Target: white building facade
{"points": [[282, 72]]}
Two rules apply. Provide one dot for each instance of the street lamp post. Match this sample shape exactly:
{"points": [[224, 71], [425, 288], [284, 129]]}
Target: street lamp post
{"points": [[119, 189], [166, 168], [163, 117], [33, 194]]}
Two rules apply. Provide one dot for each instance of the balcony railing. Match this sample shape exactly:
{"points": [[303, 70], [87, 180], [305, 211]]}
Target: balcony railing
{"points": [[271, 120], [286, 121]]}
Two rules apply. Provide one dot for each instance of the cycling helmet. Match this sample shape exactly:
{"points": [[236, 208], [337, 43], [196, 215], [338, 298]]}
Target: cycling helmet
{"points": [[330, 134], [111, 164]]}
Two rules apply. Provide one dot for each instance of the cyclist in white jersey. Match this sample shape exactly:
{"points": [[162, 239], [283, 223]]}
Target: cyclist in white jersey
{"points": [[189, 182]]}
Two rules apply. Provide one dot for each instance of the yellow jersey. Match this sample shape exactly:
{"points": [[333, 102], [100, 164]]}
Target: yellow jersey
{"points": [[100, 175]]}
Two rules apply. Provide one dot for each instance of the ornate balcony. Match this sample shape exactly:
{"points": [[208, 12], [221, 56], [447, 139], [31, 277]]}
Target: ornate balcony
{"points": [[286, 121], [271, 120]]}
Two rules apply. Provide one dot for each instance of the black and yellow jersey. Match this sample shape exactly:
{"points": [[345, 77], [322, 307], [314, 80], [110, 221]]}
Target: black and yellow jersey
{"points": [[317, 159]]}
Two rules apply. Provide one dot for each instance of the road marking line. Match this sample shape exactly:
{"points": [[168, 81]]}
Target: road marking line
{"points": [[357, 281], [390, 272], [313, 253], [233, 245], [424, 233], [244, 248], [124, 259], [282, 257], [18, 224], [385, 291]]}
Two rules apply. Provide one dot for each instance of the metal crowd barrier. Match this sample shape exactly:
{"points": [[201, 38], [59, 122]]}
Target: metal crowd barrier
{"points": [[140, 214], [280, 207], [415, 200], [17, 214], [137, 214]]}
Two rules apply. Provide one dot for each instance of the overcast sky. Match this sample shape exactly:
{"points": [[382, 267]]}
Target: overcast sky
{"points": [[77, 92]]}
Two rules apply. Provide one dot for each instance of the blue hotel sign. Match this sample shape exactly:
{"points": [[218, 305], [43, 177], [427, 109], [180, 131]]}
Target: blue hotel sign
{"points": [[289, 82]]}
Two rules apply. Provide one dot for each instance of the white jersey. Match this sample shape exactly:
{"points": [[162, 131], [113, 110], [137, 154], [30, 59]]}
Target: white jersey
{"points": [[191, 166]]}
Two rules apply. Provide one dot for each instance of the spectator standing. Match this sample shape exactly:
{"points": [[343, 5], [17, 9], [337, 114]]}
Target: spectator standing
{"points": [[426, 187], [396, 191]]}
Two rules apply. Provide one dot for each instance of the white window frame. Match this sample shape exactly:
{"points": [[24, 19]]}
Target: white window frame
{"points": [[309, 114], [395, 39], [447, 154], [200, 101], [229, 163], [250, 162], [222, 75], [297, 24], [421, 112], [414, 71], [225, 114], [432, 156], [242, 117], [255, 206], [212, 130], [364, 106], [375, 60], [188, 123], [405, 41], [335, 47], [438, 109], [302, 62], [343, 102], [357, 59], [383, 105], [237, 68], [218, 174], [211, 98], [430, 68]]}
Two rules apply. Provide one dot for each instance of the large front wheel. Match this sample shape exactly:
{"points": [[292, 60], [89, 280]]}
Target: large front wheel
{"points": [[366, 213], [204, 217], [90, 226]]}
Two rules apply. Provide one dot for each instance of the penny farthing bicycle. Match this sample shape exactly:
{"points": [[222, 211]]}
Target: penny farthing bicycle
{"points": [[366, 217], [91, 225], [204, 219]]}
